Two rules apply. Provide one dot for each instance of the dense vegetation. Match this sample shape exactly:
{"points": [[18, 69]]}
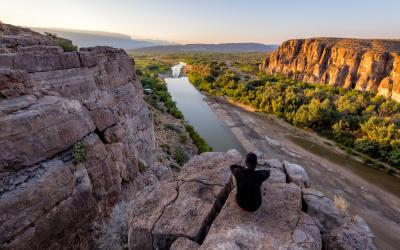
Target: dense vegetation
{"points": [[159, 97], [252, 58], [363, 121], [66, 44]]}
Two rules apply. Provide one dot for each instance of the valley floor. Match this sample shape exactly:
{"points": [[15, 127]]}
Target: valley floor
{"points": [[373, 195]]}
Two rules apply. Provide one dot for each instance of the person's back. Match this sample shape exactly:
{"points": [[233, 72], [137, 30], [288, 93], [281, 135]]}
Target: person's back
{"points": [[248, 183]]}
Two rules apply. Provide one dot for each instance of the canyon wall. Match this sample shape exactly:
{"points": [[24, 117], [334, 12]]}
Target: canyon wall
{"points": [[350, 63], [74, 132]]}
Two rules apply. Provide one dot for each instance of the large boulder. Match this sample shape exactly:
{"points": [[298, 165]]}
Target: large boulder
{"points": [[190, 214], [211, 168], [296, 174], [339, 229], [200, 192], [148, 207], [277, 224], [324, 212], [354, 234], [305, 236]]}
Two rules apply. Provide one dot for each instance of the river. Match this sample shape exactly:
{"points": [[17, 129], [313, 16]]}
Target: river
{"points": [[372, 194], [197, 112]]}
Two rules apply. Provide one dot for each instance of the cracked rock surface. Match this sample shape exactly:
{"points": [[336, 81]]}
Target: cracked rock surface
{"points": [[200, 192], [190, 216]]}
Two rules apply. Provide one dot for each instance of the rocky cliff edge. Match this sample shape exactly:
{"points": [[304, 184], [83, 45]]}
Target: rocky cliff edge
{"points": [[198, 211], [73, 132]]}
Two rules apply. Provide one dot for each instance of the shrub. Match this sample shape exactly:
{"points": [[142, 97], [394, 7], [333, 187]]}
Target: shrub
{"points": [[183, 137], [341, 203], [79, 152], [180, 156], [391, 171], [171, 127], [66, 44], [114, 232], [175, 113], [200, 143]]}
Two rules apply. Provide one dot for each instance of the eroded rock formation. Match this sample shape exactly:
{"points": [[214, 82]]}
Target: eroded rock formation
{"points": [[187, 214], [351, 63], [50, 102], [75, 135]]}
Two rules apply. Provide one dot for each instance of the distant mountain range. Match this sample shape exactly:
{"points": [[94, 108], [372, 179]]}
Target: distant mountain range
{"points": [[86, 38], [223, 47]]}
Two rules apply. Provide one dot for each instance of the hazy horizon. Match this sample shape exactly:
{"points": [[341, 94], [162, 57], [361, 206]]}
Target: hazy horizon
{"points": [[213, 21]]}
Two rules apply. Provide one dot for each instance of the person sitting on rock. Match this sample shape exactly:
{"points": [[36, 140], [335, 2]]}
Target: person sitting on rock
{"points": [[248, 181]]}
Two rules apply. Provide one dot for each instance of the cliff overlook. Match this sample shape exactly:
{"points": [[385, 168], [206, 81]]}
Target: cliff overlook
{"points": [[77, 140], [198, 210], [351, 63]]}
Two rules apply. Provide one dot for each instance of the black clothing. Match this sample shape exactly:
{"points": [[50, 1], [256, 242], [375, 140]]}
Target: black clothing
{"points": [[248, 183]]}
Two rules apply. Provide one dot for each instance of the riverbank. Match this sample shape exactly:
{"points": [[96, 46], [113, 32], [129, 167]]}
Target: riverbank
{"points": [[371, 193], [321, 141]]}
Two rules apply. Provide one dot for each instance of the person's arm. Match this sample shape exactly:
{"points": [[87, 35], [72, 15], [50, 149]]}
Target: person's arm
{"points": [[264, 174], [234, 169]]}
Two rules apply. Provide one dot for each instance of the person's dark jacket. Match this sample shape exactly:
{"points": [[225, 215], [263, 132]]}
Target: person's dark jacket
{"points": [[248, 183]]}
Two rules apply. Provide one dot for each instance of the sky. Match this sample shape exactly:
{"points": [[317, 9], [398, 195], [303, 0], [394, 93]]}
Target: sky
{"points": [[213, 21]]}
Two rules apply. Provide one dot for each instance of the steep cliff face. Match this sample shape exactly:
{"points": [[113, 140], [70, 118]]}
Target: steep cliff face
{"points": [[351, 63], [73, 131]]}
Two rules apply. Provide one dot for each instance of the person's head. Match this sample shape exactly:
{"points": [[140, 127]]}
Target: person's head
{"points": [[251, 161]]}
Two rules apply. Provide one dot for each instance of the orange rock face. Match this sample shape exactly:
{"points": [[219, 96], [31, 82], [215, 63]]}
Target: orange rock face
{"points": [[350, 63]]}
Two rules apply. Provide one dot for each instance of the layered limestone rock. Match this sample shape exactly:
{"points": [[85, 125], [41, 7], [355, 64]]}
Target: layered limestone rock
{"points": [[74, 128], [187, 214], [351, 63]]}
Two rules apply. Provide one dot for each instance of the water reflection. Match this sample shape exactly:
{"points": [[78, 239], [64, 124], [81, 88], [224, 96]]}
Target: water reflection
{"points": [[197, 112], [176, 69]]}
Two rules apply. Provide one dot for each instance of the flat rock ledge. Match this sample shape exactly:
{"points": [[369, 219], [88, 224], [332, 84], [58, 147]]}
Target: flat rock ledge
{"points": [[198, 211]]}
